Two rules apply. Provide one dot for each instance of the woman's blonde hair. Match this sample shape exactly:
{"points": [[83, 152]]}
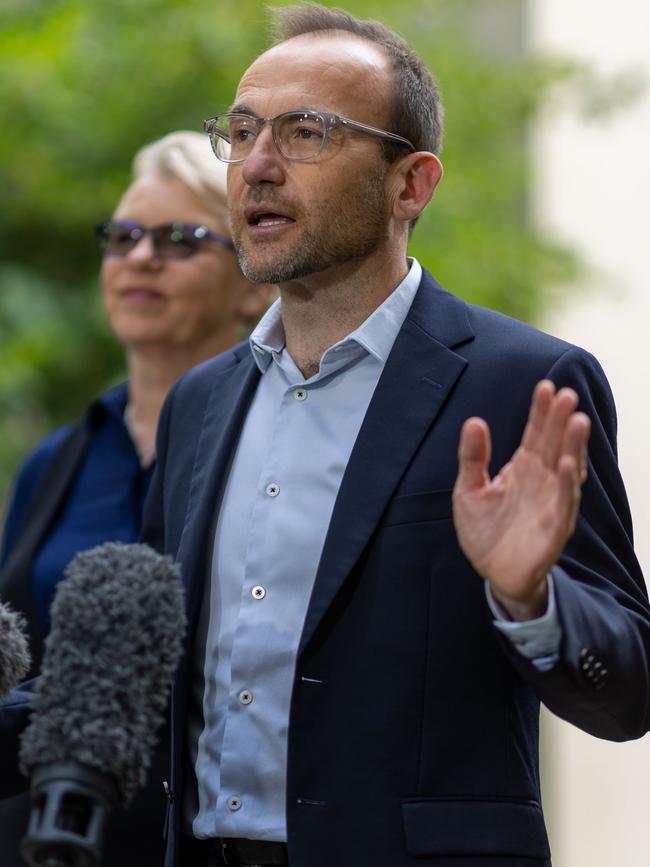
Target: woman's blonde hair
{"points": [[188, 157]]}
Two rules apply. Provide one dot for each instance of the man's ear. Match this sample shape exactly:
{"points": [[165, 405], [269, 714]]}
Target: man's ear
{"points": [[414, 183]]}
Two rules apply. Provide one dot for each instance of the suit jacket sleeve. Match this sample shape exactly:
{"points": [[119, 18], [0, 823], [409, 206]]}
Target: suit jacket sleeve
{"points": [[600, 682]]}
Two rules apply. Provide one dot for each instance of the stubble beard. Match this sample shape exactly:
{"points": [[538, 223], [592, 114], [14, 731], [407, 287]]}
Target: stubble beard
{"points": [[339, 233]]}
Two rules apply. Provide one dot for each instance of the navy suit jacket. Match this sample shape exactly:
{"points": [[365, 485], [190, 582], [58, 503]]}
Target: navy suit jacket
{"points": [[414, 725]]}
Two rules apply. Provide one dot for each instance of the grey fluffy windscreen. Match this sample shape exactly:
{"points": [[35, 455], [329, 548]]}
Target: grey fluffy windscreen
{"points": [[118, 621], [14, 651]]}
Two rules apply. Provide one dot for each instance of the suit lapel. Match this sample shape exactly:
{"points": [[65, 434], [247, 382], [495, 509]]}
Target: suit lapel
{"points": [[419, 374], [224, 415]]}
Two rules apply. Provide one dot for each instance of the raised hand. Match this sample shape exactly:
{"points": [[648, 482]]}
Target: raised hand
{"points": [[512, 528]]}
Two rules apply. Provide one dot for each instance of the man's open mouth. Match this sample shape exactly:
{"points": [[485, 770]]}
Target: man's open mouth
{"points": [[265, 219]]}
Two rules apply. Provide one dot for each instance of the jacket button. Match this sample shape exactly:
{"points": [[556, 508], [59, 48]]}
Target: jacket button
{"points": [[592, 668]]}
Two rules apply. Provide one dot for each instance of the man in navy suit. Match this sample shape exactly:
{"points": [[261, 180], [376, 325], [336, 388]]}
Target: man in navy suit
{"points": [[387, 555]]}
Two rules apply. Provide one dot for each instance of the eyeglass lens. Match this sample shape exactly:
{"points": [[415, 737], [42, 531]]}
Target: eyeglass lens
{"points": [[298, 135], [170, 241]]}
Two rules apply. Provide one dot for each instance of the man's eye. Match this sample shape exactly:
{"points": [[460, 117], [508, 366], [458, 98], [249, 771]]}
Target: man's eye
{"points": [[307, 133], [242, 134]]}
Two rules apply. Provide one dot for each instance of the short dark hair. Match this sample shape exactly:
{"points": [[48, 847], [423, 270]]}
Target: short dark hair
{"points": [[416, 112]]}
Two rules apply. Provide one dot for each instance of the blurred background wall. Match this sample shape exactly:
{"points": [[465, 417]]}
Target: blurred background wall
{"points": [[592, 189]]}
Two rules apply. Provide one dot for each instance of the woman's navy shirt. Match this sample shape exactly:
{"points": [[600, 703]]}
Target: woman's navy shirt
{"points": [[104, 503]]}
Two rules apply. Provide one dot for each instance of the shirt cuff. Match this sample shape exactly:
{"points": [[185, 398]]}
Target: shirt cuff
{"points": [[539, 639]]}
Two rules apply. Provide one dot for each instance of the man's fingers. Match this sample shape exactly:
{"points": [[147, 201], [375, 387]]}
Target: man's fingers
{"points": [[562, 409], [576, 440], [572, 469], [474, 452], [569, 493], [539, 408], [549, 421]]}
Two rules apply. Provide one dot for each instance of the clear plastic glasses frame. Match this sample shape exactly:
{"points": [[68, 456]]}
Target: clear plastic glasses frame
{"points": [[298, 135]]}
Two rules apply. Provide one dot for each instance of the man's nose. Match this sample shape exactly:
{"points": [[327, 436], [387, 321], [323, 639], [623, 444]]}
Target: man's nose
{"points": [[264, 164]]}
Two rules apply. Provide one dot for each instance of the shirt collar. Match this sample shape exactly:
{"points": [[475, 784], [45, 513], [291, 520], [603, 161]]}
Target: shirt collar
{"points": [[268, 336], [375, 335], [111, 404]]}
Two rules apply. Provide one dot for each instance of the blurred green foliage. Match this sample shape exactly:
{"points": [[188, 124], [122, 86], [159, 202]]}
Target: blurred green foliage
{"points": [[86, 82]]}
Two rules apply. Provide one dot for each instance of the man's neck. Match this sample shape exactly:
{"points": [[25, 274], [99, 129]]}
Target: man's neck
{"points": [[322, 309]]}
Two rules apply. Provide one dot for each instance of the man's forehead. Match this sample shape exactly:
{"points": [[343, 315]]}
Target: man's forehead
{"points": [[333, 59]]}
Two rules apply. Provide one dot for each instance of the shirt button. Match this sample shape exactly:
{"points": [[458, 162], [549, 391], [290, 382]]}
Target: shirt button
{"points": [[234, 803], [273, 489], [258, 592], [246, 696], [300, 394]]}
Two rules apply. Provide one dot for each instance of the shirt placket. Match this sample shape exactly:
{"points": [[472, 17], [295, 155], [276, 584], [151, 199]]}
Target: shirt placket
{"points": [[253, 660]]}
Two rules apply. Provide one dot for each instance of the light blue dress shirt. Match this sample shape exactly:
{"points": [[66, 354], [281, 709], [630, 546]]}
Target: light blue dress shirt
{"points": [[273, 518]]}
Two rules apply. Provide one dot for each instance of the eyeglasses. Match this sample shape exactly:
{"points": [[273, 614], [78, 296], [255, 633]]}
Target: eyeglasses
{"points": [[298, 135], [170, 240]]}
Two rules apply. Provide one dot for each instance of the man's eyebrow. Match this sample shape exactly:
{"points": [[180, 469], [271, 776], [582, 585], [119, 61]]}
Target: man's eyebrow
{"points": [[241, 108]]}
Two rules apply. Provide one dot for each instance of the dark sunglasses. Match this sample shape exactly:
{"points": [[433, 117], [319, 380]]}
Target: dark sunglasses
{"points": [[170, 240]]}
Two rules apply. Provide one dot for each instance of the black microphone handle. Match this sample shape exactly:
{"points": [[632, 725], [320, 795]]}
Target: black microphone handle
{"points": [[70, 803]]}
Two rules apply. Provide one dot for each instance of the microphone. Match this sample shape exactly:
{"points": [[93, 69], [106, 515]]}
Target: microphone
{"points": [[118, 621], [14, 652]]}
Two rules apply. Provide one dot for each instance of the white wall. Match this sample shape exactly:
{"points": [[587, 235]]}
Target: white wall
{"points": [[592, 188]]}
